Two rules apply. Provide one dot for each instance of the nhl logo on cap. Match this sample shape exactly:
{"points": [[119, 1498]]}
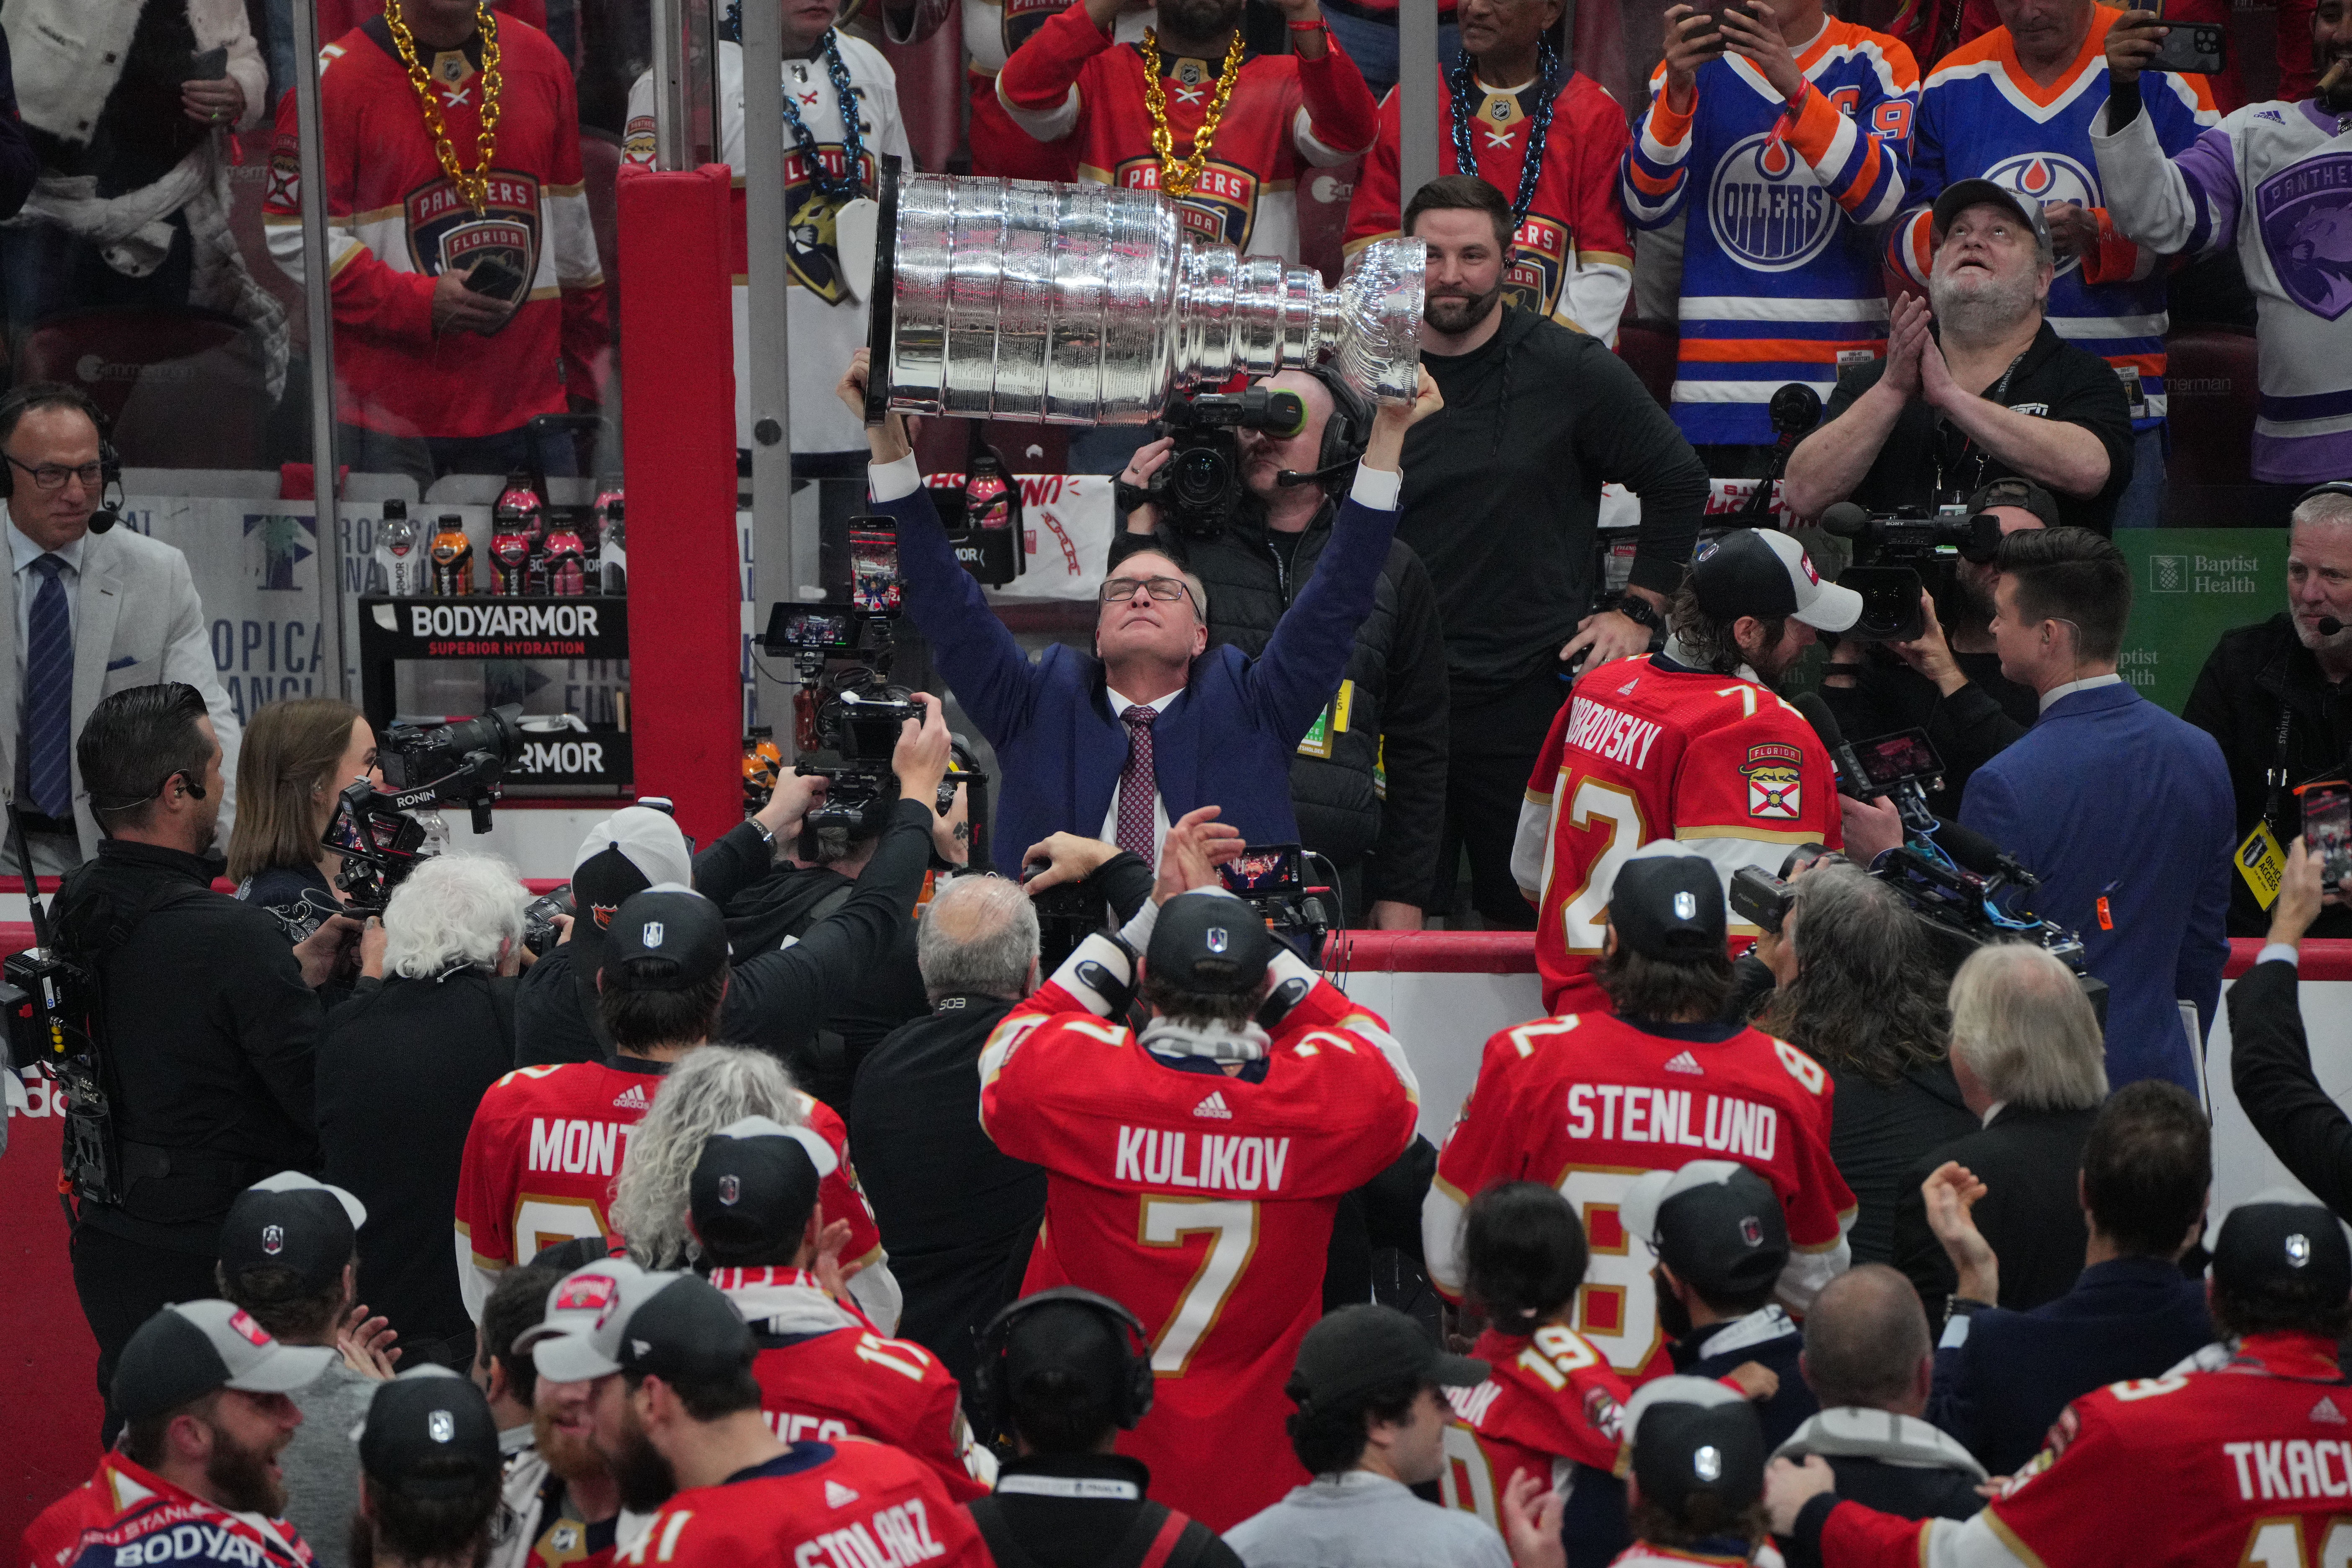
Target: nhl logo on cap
{"points": [[1707, 1463], [441, 1426], [2298, 1250], [731, 1189], [1216, 938], [652, 934], [1751, 1231], [1686, 906], [273, 1239]]}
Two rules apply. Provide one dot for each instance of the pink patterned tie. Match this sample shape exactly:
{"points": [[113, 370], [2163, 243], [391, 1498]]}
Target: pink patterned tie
{"points": [[1138, 786]]}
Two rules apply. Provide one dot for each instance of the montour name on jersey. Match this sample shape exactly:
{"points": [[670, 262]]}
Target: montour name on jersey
{"points": [[905, 1532], [575, 1147], [1148, 1155], [1637, 1113], [1600, 729]]}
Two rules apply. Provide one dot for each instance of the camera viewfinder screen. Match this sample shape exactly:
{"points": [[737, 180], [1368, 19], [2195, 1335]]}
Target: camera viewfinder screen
{"points": [[1262, 872], [1894, 758], [807, 628]]}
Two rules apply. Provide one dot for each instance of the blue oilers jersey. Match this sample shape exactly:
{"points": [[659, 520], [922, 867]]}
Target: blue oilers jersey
{"points": [[1782, 273], [1980, 116]]}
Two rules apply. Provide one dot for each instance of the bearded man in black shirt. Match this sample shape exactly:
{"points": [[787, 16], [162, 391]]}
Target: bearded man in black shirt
{"points": [[1502, 503], [1985, 390]]}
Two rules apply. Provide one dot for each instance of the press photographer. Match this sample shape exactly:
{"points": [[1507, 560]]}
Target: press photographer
{"points": [[203, 1021], [1985, 390], [1154, 723], [1250, 512], [1945, 680]]}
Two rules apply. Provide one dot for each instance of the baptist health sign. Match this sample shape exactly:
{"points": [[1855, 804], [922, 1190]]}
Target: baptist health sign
{"points": [[2189, 586]]}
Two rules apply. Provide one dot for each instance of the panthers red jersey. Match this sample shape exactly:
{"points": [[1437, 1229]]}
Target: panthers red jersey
{"points": [[851, 1382], [547, 1142], [1645, 749], [2248, 1465], [1552, 1401], [1287, 113], [846, 1504], [1570, 260], [1203, 1203], [1588, 1103]]}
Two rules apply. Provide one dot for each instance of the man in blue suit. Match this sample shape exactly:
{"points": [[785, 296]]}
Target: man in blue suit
{"points": [[2123, 811], [1155, 723]]}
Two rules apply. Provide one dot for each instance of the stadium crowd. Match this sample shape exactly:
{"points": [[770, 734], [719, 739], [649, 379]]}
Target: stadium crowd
{"points": [[809, 1195]]}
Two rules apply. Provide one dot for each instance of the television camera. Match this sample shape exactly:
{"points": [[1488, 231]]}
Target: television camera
{"points": [[375, 827], [1897, 554], [52, 1003], [1199, 486]]}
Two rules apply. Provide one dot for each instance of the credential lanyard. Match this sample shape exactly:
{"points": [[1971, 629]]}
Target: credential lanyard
{"points": [[1997, 396]]}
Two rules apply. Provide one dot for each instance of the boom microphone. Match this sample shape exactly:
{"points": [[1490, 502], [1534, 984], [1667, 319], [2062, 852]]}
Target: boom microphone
{"points": [[1290, 477], [104, 518], [2329, 626]]}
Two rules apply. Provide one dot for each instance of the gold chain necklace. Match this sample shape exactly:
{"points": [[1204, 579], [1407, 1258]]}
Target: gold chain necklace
{"points": [[475, 186], [1178, 179]]}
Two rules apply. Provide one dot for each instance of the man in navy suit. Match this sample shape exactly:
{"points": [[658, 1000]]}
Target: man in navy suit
{"points": [[1155, 723], [2123, 811]]}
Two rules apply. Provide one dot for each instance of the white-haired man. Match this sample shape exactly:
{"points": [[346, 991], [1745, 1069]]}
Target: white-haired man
{"points": [[401, 1066]]}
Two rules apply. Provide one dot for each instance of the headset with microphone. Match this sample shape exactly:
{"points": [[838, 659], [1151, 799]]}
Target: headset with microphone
{"points": [[49, 394], [1345, 435], [2328, 625]]}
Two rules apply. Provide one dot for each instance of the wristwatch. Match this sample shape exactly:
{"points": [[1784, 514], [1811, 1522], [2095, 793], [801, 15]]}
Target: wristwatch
{"points": [[1638, 610]]}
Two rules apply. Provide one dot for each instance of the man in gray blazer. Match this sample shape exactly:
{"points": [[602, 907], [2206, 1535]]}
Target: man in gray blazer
{"points": [[93, 610]]}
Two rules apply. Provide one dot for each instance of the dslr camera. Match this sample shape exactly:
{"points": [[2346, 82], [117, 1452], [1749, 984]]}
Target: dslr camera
{"points": [[1201, 484], [424, 767], [1898, 553]]}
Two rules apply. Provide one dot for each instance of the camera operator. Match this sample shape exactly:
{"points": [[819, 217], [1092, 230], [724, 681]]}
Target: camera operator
{"points": [[1154, 723], [1948, 681], [1369, 779], [1985, 390], [2273, 695], [779, 999], [210, 1020]]}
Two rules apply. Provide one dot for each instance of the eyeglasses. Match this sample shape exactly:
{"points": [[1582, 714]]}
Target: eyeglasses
{"points": [[1118, 590], [53, 475]]}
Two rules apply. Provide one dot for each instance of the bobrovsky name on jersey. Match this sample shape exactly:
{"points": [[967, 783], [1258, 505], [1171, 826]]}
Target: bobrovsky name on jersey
{"points": [[1245, 1164], [1638, 1113]]}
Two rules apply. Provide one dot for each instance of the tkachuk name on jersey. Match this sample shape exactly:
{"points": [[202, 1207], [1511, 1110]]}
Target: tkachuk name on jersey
{"points": [[576, 1147], [1637, 1113], [2285, 1470], [906, 1538], [1149, 1156], [1603, 731]]}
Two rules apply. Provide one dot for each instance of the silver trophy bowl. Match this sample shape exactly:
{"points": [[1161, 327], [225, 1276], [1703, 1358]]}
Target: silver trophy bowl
{"points": [[1079, 304]]}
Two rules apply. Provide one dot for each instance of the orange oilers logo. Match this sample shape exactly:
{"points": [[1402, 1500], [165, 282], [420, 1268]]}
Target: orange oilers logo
{"points": [[1774, 783]]}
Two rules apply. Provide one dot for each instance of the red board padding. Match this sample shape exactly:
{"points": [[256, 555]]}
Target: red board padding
{"points": [[678, 376]]}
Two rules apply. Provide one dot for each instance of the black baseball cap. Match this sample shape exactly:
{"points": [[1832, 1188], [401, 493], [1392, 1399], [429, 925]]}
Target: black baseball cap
{"points": [[1716, 1223], [1669, 907], [1692, 1436], [664, 939], [752, 1189], [1364, 1347], [2021, 493], [292, 1221], [1961, 195], [186, 1352], [1210, 942], [1765, 572], [615, 1317], [2282, 1239], [421, 1419]]}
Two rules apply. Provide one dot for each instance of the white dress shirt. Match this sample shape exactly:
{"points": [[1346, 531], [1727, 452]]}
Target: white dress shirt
{"points": [[2088, 683]]}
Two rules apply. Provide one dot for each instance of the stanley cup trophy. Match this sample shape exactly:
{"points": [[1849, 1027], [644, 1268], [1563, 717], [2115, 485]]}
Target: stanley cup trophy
{"points": [[1079, 304]]}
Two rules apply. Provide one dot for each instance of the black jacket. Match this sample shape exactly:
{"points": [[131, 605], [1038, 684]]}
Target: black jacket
{"points": [[956, 1214], [1896, 1464], [1877, 1133], [2254, 674], [211, 1044], [2030, 1215], [775, 1000], [1389, 714], [1968, 728], [1768, 1337], [19, 167], [1027, 1530], [1502, 494], [401, 1067], [2270, 1067]]}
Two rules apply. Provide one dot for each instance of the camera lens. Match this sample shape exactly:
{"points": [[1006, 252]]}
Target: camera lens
{"points": [[1201, 478]]}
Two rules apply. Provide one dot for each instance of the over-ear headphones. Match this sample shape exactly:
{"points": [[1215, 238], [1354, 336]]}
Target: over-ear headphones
{"points": [[56, 393], [2325, 488], [991, 1380]]}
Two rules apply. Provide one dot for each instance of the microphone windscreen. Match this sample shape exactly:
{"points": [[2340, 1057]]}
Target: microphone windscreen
{"points": [[1845, 518], [2329, 626], [104, 518], [1824, 722], [1970, 849]]}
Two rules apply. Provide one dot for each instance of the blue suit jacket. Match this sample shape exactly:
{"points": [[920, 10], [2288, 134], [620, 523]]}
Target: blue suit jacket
{"points": [[1226, 741], [2002, 1387], [2110, 796]]}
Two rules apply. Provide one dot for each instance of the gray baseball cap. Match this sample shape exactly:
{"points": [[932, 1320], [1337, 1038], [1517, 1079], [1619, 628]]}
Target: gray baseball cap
{"points": [[186, 1352]]}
